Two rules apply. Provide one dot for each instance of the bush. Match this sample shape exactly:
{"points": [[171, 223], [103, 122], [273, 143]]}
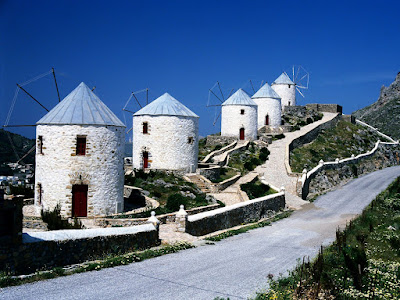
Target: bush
{"points": [[264, 153], [55, 222], [174, 201]]}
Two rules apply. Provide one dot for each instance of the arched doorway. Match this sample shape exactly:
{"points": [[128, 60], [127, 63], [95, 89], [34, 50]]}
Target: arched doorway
{"points": [[241, 134], [145, 159], [267, 120]]}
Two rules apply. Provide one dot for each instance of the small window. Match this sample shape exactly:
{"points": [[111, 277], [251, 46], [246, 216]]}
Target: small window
{"points": [[40, 193], [40, 144], [145, 128], [80, 145], [190, 140], [242, 111]]}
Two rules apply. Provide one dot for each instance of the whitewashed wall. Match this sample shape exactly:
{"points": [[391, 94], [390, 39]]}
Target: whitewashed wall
{"points": [[287, 93], [102, 168], [166, 142], [232, 121], [270, 107]]}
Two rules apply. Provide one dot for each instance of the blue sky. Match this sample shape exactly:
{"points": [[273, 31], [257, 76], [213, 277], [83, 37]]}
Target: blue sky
{"points": [[350, 48]]}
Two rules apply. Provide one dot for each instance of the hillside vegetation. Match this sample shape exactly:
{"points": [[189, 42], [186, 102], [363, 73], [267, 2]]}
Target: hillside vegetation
{"points": [[384, 114], [339, 142], [21, 144], [362, 263]]}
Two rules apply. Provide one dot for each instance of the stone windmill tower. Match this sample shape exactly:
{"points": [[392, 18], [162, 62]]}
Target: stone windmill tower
{"points": [[286, 89], [165, 136], [239, 117], [79, 157], [269, 106]]}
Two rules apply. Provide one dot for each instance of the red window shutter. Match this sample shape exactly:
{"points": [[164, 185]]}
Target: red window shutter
{"points": [[81, 146]]}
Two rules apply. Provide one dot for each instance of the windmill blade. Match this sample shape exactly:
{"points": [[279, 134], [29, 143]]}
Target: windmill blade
{"points": [[302, 87], [252, 86], [293, 73], [300, 92], [262, 81], [216, 119], [230, 93], [221, 91]]}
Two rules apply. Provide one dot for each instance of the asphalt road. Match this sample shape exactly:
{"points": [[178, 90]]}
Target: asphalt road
{"points": [[236, 267]]}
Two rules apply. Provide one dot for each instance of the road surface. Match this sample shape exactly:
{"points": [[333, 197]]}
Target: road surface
{"points": [[236, 267]]}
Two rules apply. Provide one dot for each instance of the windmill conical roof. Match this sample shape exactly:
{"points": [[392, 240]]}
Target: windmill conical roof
{"points": [[240, 97], [283, 79], [266, 92], [166, 105], [81, 107]]}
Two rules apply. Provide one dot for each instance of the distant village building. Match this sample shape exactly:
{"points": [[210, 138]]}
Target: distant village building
{"points": [[269, 106], [80, 157], [286, 89], [165, 136], [239, 117]]}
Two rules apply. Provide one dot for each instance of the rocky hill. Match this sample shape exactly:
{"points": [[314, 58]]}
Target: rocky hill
{"points": [[22, 146], [384, 114]]}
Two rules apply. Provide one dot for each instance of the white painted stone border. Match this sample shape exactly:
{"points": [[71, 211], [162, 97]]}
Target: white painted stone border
{"points": [[75, 234], [219, 151], [308, 176], [221, 210], [376, 130]]}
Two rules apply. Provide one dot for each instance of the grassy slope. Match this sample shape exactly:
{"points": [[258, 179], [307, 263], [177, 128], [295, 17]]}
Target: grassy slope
{"points": [[339, 142], [363, 262]]}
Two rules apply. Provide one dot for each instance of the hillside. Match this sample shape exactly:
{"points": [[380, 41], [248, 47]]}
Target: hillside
{"points": [[22, 146], [384, 114]]}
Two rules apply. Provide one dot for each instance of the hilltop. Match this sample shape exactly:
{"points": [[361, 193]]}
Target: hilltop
{"points": [[384, 114], [22, 146]]}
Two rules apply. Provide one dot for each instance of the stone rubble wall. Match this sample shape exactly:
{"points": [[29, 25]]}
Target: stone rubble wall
{"points": [[308, 137], [386, 153], [271, 107], [45, 254], [101, 168], [232, 121], [167, 142], [287, 93], [233, 215], [213, 140], [332, 108]]}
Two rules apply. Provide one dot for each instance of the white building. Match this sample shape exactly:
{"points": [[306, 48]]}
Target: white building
{"points": [[80, 157], [239, 117], [286, 89], [165, 136], [269, 106]]}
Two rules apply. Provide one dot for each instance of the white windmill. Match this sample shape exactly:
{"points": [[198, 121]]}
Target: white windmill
{"points": [[286, 87]]}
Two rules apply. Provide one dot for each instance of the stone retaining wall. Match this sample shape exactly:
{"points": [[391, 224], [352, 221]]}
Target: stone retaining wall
{"points": [[233, 215], [45, 254], [389, 153], [164, 219], [213, 140], [211, 173], [332, 108], [209, 157], [308, 137]]}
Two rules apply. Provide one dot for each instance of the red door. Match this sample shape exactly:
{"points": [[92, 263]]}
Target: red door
{"points": [[266, 120], [241, 134], [145, 160], [79, 200]]}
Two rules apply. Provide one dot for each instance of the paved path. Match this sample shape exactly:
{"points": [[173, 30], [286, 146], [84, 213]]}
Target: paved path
{"points": [[274, 169], [236, 267]]}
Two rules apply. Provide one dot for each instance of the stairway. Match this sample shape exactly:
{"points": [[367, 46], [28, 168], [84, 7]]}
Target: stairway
{"points": [[200, 182]]}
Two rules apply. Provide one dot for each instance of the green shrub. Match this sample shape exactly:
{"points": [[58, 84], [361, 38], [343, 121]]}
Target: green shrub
{"points": [[174, 201], [55, 222]]}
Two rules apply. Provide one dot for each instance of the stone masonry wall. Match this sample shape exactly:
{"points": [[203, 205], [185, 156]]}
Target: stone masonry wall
{"points": [[213, 140], [332, 108], [338, 175], [172, 142], [101, 168], [29, 257], [232, 120], [233, 215]]}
